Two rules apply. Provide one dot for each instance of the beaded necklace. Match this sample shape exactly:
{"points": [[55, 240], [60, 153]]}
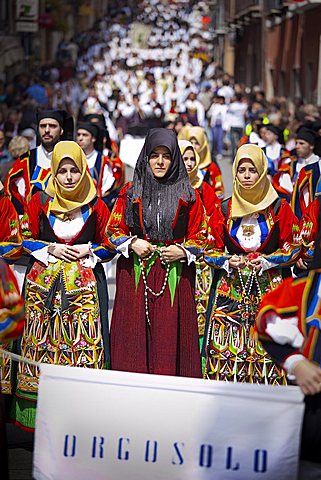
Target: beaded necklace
{"points": [[247, 287], [146, 287]]}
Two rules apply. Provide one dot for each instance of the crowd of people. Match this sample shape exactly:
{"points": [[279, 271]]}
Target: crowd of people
{"points": [[207, 278]]}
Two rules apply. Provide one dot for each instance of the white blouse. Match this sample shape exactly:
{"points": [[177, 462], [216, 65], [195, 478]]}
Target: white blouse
{"points": [[66, 230]]}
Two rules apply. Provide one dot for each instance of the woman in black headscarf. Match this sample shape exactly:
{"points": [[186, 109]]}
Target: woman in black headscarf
{"points": [[158, 226]]}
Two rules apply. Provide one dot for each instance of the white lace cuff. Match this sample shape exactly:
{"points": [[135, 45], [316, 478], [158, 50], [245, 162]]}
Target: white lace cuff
{"points": [[190, 257], [92, 259], [43, 255], [291, 362], [266, 265], [226, 266], [124, 247]]}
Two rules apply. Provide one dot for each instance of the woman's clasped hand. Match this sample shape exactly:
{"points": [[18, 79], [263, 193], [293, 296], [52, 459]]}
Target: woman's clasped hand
{"points": [[252, 260], [168, 254], [69, 253]]}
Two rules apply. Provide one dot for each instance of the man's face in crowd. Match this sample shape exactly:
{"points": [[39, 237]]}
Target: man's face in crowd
{"points": [[270, 137], [50, 132], [85, 140], [303, 148]]}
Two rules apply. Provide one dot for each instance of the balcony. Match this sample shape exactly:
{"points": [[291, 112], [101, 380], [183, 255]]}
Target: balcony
{"points": [[274, 6], [245, 7]]}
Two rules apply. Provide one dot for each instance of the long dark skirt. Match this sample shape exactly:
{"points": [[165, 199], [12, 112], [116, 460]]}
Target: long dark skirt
{"points": [[169, 345]]}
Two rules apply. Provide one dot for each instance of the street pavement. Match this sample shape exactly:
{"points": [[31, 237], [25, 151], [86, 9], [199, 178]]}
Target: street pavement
{"points": [[20, 446]]}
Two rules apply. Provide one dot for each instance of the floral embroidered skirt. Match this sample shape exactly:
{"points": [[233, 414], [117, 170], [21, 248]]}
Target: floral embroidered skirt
{"points": [[66, 324], [202, 292], [232, 350]]}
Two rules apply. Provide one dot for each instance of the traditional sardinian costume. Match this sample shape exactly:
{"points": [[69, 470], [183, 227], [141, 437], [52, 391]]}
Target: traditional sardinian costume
{"points": [[10, 234], [107, 171], [31, 172], [203, 271], [253, 222], [10, 250], [207, 193], [208, 170], [109, 174], [290, 168], [309, 229], [285, 177], [306, 188], [275, 152], [288, 323], [66, 304], [154, 323], [11, 325], [110, 146]]}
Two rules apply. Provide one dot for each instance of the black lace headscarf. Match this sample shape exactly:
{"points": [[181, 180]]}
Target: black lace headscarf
{"points": [[159, 196]]}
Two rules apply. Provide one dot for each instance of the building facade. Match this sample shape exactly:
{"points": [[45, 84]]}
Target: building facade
{"points": [[274, 44]]}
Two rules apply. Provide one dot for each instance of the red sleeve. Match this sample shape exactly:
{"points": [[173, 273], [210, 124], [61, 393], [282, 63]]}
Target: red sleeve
{"points": [[118, 171], [196, 228], [114, 147], [289, 245], [209, 198], [309, 223], [20, 169], [284, 302], [215, 237], [103, 215], [216, 180], [276, 179], [289, 224], [30, 223], [116, 226], [9, 221]]}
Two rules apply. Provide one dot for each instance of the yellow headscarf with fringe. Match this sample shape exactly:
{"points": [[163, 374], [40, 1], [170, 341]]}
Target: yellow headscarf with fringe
{"points": [[66, 200], [194, 176], [261, 195]]}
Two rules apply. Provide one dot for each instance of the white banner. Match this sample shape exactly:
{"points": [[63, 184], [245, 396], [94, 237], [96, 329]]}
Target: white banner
{"points": [[107, 425]]}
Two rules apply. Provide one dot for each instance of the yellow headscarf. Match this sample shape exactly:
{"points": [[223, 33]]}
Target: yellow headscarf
{"points": [[261, 195], [204, 151], [194, 176], [182, 134], [66, 200]]}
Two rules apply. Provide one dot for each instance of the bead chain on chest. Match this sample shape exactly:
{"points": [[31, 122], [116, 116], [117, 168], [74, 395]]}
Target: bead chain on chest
{"points": [[147, 288], [246, 289], [253, 277]]}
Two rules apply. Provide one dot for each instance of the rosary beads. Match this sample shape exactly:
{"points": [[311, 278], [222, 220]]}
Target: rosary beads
{"points": [[146, 287]]}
